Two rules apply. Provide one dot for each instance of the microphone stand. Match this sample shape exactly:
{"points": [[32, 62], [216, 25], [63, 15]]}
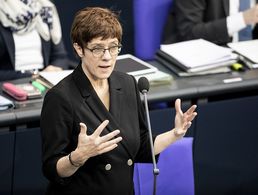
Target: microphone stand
{"points": [[155, 169]]}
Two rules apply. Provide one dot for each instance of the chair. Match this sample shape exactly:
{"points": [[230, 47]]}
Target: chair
{"points": [[149, 21], [176, 171]]}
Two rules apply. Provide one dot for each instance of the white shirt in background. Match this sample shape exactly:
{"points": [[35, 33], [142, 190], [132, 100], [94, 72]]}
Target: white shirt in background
{"points": [[235, 20], [28, 51]]}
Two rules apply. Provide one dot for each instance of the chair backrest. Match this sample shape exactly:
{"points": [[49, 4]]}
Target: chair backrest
{"points": [[149, 20], [176, 171]]}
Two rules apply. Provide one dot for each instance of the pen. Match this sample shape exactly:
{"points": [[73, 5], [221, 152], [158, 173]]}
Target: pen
{"points": [[38, 86]]}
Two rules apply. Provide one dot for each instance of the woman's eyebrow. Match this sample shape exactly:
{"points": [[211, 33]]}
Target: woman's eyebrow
{"points": [[103, 45]]}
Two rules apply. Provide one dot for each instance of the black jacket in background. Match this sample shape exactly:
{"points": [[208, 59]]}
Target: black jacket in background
{"points": [[194, 19], [52, 54]]}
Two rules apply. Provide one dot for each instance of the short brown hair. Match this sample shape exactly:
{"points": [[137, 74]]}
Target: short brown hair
{"points": [[95, 22]]}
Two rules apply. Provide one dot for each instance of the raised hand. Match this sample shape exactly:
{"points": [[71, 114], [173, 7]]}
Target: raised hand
{"points": [[183, 120], [92, 145]]}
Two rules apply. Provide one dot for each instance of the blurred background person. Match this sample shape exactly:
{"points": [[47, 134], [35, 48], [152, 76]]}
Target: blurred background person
{"points": [[30, 39], [218, 21]]}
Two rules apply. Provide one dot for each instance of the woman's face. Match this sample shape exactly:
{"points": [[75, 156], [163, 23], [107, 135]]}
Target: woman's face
{"points": [[99, 58]]}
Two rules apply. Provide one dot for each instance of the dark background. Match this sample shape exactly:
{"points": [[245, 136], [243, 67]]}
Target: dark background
{"points": [[67, 10]]}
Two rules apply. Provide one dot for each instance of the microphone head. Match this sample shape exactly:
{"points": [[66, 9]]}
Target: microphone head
{"points": [[143, 85]]}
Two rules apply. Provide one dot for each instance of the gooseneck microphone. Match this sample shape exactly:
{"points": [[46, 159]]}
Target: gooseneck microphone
{"points": [[143, 85]]}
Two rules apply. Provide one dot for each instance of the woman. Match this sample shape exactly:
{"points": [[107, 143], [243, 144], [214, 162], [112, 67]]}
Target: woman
{"points": [[30, 39], [92, 122]]}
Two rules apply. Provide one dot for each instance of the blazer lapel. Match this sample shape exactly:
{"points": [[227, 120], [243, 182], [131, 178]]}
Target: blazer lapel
{"points": [[116, 95], [89, 94], [97, 107], [115, 98]]}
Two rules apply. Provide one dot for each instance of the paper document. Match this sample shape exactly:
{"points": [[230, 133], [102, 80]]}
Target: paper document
{"points": [[54, 77], [157, 78], [198, 53], [248, 49], [182, 73], [5, 103]]}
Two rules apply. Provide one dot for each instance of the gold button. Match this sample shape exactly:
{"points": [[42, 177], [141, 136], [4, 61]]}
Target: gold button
{"points": [[129, 162], [108, 167]]}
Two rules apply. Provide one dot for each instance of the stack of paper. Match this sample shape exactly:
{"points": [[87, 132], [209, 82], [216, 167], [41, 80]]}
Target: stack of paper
{"points": [[157, 78], [247, 49], [198, 55]]}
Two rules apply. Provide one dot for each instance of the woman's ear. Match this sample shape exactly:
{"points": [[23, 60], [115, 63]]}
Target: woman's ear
{"points": [[78, 49]]}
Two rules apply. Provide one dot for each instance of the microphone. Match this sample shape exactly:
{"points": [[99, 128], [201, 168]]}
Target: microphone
{"points": [[143, 85]]}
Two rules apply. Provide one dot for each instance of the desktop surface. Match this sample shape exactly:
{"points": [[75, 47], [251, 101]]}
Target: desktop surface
{"points": [[186, 88]]}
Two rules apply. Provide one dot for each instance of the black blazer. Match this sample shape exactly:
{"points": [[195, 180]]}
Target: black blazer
{"points": [[193, 19], [52, 54], [73, 101]]}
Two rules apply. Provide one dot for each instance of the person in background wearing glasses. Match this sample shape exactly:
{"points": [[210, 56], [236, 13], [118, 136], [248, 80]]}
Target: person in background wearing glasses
{"points": [[92, 123], [30, 39]]}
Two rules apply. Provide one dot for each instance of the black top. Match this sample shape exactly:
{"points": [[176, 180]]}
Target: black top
{"points": [[73, 101]]}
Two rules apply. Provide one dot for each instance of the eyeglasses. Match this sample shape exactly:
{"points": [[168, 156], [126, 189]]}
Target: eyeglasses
{"points": [[99, 52]]}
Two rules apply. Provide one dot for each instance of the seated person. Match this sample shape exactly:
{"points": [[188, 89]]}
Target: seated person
{"points": [[30, 39], [218, 21]]}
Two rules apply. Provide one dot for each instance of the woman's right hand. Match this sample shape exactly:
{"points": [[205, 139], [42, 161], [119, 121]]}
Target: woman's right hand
{"points": [[93, 145]]}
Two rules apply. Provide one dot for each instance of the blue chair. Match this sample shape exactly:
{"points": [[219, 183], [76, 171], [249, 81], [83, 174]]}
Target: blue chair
{"points": [[149, 20], [176, 175]]}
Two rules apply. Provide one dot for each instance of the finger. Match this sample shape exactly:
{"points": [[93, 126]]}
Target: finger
{"points": [[83, 128], [110, 143], [191, 109], [109, 136], [107, 149], [100, 128], [178, 106], [191, 116]]}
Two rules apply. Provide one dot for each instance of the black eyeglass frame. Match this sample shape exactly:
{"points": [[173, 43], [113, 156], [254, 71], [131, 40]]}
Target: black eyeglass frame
{"points": [[103, 50]]}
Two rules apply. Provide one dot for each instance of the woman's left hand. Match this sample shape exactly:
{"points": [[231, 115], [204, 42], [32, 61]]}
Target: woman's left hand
{"points": [[183, 120]]}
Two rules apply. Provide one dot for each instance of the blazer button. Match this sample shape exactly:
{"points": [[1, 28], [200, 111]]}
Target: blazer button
{"points": [[129, 162], [108, 167]]}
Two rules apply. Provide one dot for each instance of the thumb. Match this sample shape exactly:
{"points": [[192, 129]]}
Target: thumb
{"points": [[83, 128], [178, 106]]}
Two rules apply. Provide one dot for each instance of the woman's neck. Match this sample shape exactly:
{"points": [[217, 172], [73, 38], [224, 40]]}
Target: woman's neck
{"points": [[101, 87], [102, 90]]}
